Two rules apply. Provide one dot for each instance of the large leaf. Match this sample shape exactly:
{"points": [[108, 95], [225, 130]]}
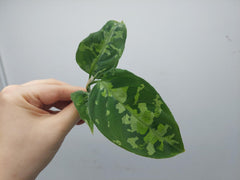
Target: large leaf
{"points": [[80, 100], [130, 113], [101, 50]]}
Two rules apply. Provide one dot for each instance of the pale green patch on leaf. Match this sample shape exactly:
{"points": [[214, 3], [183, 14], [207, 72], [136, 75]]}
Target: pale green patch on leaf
{"points": [[126, 119], [137, 125], [162, 130], [150, 148], [117, 142], [121, 93], [120, 108], [150, 137], [154, 136], [160, 147], [145, 115], [169, 139], [157, 103], [97, 121], [104, 93], [138, 93], [132, 142]]}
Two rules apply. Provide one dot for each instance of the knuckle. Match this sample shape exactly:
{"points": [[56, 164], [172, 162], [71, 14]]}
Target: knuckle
{"points": [[10, 89], [33, 81], [53, 80], [8, 92]]}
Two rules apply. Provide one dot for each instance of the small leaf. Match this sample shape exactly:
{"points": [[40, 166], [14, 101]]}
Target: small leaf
{"points": [[131, 114], [101, 50], [80, 100]]}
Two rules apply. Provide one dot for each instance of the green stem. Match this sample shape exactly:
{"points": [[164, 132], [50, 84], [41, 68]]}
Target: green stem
{"points": [[90, 80]]}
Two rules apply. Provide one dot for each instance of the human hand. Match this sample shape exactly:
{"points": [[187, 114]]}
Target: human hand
{"points": [[30, 133]]}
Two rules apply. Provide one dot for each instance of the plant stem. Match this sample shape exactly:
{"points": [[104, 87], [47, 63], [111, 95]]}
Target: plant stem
{"points": [[90, 80]]}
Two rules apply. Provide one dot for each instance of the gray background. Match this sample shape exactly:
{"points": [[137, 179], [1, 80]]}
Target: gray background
{"points": [[188, 50], [3, 78]]}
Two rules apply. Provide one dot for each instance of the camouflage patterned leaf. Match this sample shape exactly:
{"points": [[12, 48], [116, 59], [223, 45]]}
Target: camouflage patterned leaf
{"points": [[80, 100], [101, 50], [131, 114]]}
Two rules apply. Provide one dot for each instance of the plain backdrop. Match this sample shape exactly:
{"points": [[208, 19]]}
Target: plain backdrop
{"points": [[188, 50]]}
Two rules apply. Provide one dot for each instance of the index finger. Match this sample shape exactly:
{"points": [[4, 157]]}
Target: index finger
{"points": [[46, 94]]}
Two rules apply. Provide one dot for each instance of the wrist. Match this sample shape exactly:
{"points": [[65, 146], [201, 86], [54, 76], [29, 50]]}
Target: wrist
{"points": [[11, 169], [11, 175]]}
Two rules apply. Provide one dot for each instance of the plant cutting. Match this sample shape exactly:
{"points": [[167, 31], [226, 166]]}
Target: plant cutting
{"points": [[124, 107]]}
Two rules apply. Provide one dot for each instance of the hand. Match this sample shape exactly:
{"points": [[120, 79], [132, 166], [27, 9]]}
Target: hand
{"points": [[31, 133]]}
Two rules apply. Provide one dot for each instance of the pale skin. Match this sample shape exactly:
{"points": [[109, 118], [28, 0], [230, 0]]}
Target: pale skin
{"points": [[30, 133]]}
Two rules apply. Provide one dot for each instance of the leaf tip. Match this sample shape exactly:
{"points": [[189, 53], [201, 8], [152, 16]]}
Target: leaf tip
{"points": [[91, 128]]}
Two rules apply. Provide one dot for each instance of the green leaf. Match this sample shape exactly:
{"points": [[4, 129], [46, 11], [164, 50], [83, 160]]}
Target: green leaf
{"points": [[101, 50], [80, 100], [123, 106], [130, 113]]}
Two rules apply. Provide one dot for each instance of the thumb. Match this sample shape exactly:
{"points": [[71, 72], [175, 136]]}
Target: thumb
{"points": [[67, 118]]}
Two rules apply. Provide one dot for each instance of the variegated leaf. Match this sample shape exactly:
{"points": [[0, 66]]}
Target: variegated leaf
{"points": [[101, 50], [80, 100], [131, 114]]}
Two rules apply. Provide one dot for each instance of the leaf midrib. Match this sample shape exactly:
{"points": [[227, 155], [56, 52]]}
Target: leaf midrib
{"points": [[103, 49]]}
